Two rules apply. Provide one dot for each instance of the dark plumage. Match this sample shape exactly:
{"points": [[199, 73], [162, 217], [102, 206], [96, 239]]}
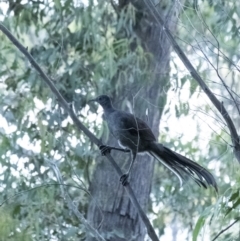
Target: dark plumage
{"points": [[135, 135]]}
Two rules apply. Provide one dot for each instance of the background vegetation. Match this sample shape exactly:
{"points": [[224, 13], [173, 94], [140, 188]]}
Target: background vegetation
{"points": [[94, 47]]}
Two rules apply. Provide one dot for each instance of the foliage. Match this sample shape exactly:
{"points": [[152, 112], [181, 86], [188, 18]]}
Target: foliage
{"points": [[87, 48]]}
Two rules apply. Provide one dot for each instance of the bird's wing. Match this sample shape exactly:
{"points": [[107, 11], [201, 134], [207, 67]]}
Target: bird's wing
{"points": [[137, 127]]}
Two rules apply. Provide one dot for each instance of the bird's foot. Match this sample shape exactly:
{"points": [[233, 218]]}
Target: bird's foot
{"points": [[105, 149], [124, 179]]}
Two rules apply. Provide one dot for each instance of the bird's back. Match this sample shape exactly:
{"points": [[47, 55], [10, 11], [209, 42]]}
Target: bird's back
{"points": [[131, 131]]}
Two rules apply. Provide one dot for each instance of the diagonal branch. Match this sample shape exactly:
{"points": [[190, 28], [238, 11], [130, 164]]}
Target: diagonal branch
{"points": [[225, 229], [151, 232], [219, 105]]}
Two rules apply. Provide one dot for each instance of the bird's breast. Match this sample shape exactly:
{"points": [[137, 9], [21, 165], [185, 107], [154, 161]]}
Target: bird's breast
{"points": [[116, 126]]}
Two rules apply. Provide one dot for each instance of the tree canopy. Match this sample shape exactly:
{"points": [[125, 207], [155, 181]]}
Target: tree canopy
{"points": [[98, 47]]}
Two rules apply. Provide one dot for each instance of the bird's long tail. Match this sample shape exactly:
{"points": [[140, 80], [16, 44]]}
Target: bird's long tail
{"points": [[181, 166]]}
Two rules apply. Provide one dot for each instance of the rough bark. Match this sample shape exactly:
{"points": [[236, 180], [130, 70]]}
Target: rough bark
{"points": [[110, 209]]}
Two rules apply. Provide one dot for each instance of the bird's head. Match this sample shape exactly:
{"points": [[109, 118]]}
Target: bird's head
{"points": [[103, 100]]}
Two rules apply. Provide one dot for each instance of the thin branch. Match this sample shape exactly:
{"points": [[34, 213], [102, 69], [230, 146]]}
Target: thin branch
{"points": [[220, 107], [151, 232], [73, 207], [225, 229], [217, 72]]}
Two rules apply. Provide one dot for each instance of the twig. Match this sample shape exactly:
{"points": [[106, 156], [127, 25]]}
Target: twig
{"points": [[151, 232], [73, 207], [220, 107], [11, 197], [225, 229]]}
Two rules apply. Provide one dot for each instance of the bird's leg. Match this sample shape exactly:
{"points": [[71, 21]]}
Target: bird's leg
{"points": [[107, 149], [124, 177]]}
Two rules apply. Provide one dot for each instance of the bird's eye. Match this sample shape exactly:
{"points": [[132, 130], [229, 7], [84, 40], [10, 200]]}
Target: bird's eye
{"points": [[100, 98]]}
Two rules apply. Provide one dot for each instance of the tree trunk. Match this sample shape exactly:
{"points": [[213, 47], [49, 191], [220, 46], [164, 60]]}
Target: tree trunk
{"points": [[110, 210]]}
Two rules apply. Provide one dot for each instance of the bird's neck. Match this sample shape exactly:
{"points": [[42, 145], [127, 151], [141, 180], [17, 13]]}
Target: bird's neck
{"points": [[108, 108]]}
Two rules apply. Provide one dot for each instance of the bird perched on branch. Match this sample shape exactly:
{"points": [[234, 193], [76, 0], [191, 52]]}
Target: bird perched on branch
{"points": [[136, 136]]}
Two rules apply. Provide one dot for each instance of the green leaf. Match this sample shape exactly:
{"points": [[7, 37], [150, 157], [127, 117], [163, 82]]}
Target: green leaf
{"points": [[199, 225], [193, 86], [233, 207], [234, 196], [58, 4], [42, 128], [183, 80]]}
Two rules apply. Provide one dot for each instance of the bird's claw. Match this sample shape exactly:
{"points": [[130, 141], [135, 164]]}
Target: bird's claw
{"points": [[104, 149], [124, 179]]}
